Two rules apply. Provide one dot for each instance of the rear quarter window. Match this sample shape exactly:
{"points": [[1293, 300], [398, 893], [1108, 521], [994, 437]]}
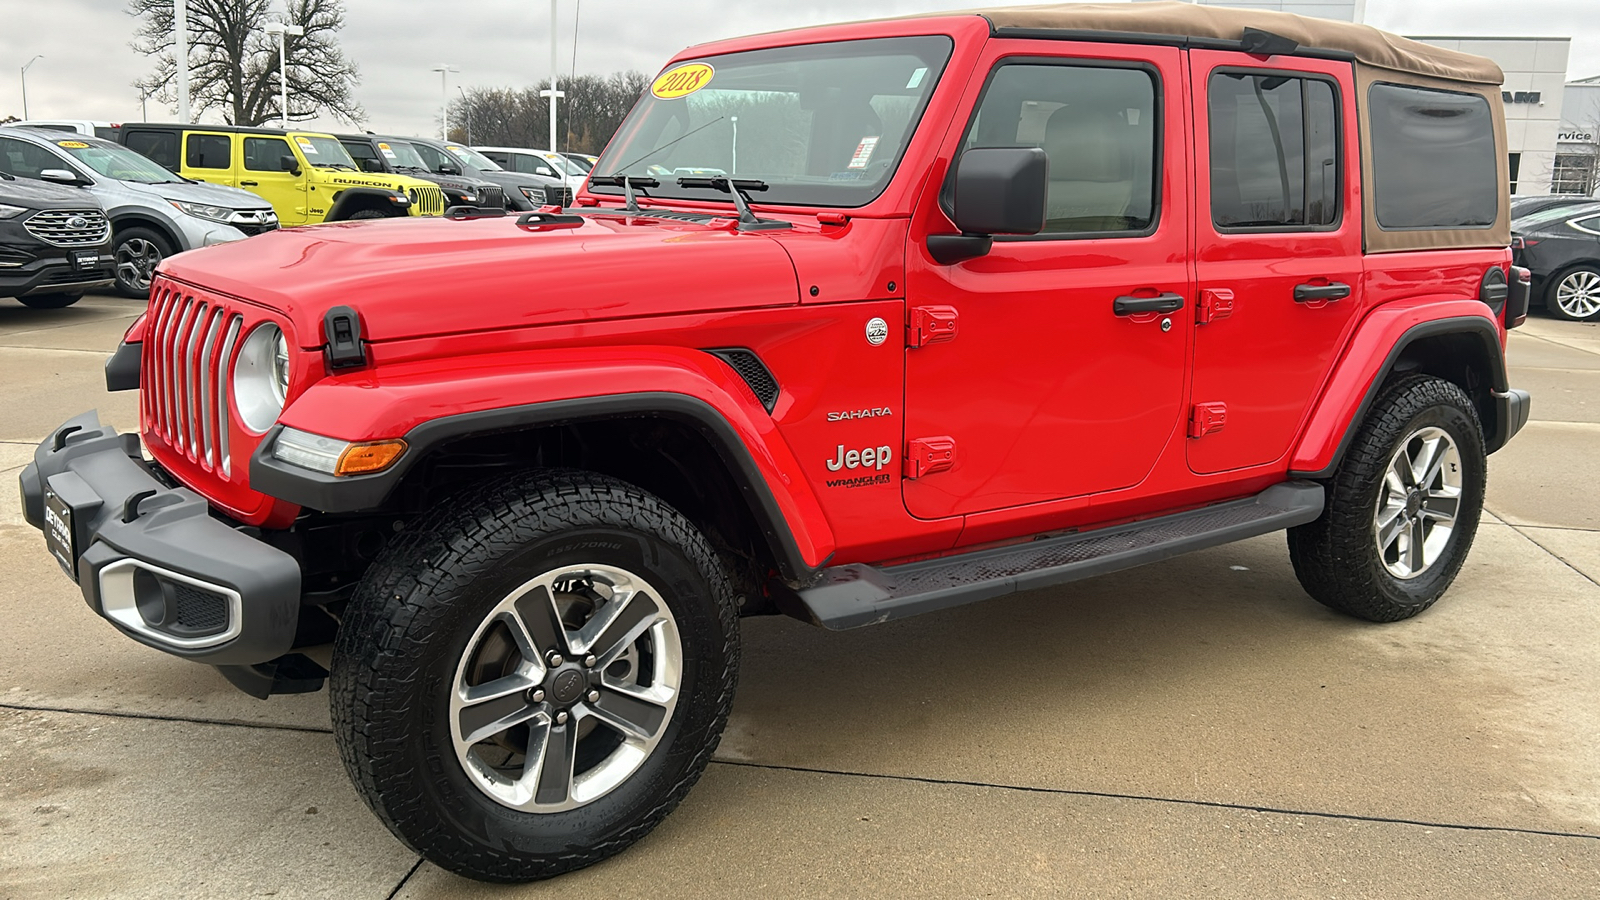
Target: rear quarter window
{"points": [[1433, 159]]}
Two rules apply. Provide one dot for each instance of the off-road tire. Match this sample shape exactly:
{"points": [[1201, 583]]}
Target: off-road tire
{"points": [[411, 620], [49, 301], [369, 214], [1336, 557]]}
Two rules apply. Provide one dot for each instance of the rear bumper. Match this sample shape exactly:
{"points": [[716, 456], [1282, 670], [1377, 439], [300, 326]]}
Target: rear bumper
{"points": [[152, 559]]}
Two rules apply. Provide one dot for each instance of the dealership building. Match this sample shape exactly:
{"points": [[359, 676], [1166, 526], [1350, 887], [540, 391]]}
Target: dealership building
{"points": [[1552, 126]]}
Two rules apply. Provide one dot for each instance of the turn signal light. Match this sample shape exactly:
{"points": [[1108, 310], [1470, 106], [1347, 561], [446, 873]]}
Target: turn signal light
{"points": [[363, 459]]}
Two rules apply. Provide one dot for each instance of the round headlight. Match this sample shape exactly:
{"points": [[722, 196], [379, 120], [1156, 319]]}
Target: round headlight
{"points": [[261, 378]]}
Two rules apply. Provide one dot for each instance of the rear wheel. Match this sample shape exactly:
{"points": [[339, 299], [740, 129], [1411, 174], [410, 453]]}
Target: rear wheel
{"points": [[49, 301], [138, 252], [1575, 296], [531, 679], [1402, 508]]}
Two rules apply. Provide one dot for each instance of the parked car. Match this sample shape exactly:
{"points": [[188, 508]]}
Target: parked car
{"points": [[308, 177], [1528, 205], [538, 162], [154, 213], [90, 127], [582, 161], [379, 153], [1561, 247], [524, 191], [55, 243], [986, 313]]}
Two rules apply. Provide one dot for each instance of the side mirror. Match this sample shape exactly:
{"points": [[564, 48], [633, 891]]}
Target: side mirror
{"points": [[371, 165], [448, 169], [289, 164], [61, 176], [999, 190]]}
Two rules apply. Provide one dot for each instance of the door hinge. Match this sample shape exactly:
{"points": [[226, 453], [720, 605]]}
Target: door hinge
{"points": [[342, 330], [931, 325], [1207, 418], [1216, 303], [924, 456]]}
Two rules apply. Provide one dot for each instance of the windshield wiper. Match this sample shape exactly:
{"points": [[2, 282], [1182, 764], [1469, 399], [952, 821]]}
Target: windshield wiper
{"points": [[741, 201], [628, 183], [334, 166]]}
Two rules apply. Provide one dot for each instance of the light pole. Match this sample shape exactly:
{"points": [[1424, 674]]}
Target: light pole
{"points": [[444, 70], [466, 105], [180, 55], [553, 93], [280, 29], [25, 84]]}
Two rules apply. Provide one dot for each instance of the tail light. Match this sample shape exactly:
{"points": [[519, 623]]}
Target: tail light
{"points": [[1522, 243]]}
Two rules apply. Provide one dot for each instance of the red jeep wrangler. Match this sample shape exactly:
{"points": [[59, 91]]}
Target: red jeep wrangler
{"points": [[854, 323]]}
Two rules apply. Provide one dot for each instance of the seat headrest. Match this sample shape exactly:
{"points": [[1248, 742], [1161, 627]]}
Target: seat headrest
{"points": [[1084, 145]]}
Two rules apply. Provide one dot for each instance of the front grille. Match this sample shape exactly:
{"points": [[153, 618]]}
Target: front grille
{"points": [[188, 353], [198, 611], [428, 201], [558, 196], [70, 227], [254, 228], [491, 198]]}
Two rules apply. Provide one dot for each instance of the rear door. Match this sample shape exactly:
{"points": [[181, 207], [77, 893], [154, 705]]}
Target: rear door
{"points": [[1278, 248], [267, 169], [208, 157], [1051, 388]]}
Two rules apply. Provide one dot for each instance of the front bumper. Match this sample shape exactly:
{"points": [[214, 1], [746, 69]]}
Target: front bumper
{"points": [[152, 559], [1512, 408], [57, 275]]}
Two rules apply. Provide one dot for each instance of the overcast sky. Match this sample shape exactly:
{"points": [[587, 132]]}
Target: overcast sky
{"points": [[88, 67]]}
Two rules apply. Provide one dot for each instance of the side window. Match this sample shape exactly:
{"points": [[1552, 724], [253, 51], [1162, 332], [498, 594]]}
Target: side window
{"points": [[1099, 127], [366, 158], [265, 154], [25, 160], [533, 165], [160, 146], [1591, 225], [1434, 162], [1274, 152], [208, 151], [503, 159], [432, 158]]}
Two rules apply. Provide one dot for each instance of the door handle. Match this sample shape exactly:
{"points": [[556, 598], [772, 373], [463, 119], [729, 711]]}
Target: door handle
{"points": [[1162, 303], [249, 183], [1307, 292]]}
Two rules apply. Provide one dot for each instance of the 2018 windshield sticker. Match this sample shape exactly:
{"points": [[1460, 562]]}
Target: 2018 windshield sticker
{"points": [[681, 81], [72, 145]]}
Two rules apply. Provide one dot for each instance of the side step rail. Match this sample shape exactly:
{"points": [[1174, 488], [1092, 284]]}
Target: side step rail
{"points": [[854, 595]]}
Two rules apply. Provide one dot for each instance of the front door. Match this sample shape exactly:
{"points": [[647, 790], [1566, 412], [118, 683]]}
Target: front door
{"points": [[1278, 248], [267, 169], [1059, 381]]}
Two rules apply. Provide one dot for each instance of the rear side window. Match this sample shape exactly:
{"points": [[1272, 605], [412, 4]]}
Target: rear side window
{"points": [[161, 146], [208, 151], [1274, 152], [266, 154], [1098, 127], [532, 165], [1433, 158], [25, 160], [364, 155]]}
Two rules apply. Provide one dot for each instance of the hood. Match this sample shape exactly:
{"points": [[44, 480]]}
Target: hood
{"points": [[415, 277], [31, 194], [200, 192]]}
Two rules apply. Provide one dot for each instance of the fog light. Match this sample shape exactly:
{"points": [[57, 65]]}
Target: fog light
{"points": [[332, 456]]}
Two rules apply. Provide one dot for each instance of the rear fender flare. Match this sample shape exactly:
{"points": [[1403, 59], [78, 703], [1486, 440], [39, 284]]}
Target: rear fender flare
{"points": [[1369, 358], [429, 403]]}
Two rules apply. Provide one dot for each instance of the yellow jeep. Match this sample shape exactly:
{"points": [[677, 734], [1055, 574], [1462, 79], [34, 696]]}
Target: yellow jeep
{"points": [[308, 177]]}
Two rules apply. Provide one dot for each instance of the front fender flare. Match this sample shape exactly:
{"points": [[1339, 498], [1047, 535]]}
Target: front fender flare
{"points": [[1371, 355], [353, 199], [429, 403]]}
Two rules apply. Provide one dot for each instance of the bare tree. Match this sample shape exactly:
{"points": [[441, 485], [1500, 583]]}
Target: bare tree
{"points": [[233, 62], [518, 117]]}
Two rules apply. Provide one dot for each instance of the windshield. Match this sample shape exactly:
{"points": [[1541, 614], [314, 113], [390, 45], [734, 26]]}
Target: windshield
{"points": [[402, 154], [324, 152], [116, 161], [1534, 220], [582, 165], [567, 166], [821, 124], [472, 158]]}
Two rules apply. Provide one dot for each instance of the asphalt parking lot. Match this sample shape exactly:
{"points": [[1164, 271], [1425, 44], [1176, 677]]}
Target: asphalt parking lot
{"points": [[1196, 728]]}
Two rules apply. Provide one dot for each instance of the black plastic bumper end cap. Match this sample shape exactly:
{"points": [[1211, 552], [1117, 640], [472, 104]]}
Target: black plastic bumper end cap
{"points": [[292, 673], [122, 368]]}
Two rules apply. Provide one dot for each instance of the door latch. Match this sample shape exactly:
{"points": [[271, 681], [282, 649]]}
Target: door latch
{"points": [[1207, 418], [1215, 303], [924, 456], [931, 325]]}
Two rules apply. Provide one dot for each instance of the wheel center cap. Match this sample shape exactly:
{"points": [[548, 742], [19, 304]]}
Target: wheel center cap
{"points": [[1413, 503], [567, 684]]}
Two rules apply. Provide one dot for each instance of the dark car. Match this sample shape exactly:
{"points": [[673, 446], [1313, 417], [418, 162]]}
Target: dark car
{"points": [[523, 191], [1561, 247], [398, 156], [1528, 205], [55, 243]]}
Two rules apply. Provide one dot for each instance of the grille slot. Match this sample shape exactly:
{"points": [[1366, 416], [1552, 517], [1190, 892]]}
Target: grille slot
{"points": [[429, 201], [62, 228], [754, 372], [189, 350]]}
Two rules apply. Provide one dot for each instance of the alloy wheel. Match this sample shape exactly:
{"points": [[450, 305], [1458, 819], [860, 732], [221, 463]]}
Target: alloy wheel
{"points": [[137, 259], [1418, 502], [1578, 294], [565, 688]]}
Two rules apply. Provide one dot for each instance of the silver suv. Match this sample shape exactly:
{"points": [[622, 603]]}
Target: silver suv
{"points": [[154, 213]]}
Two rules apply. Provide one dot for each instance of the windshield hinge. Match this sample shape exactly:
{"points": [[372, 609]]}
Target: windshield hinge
{"points": [[345, 349]]}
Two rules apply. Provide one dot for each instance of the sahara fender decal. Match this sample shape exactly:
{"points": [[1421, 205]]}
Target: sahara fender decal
{"points": [[1370, 356], [433, 401]]}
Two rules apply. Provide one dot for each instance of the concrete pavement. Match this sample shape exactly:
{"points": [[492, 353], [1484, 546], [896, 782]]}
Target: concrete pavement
{"points": [[1193, 728]]}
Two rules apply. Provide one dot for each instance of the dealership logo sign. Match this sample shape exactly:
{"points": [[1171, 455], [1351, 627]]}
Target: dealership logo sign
{"points": [[1520, 96], [1578, 136]]}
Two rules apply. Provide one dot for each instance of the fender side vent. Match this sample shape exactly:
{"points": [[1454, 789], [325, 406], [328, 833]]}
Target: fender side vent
{"points": [[754, 372]]}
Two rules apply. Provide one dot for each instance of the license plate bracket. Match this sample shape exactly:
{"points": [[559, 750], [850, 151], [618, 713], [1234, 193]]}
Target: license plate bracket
{"points": [[59, 535]]}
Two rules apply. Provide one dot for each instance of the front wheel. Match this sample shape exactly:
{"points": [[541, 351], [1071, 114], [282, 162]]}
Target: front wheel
{"points": [[1575, 296], [532, 678], [1402, 508], [368, 214], [138, 252]]}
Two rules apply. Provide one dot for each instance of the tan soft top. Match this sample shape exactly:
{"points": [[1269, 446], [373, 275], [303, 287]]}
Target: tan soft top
{"points": [[1370, 46]]}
